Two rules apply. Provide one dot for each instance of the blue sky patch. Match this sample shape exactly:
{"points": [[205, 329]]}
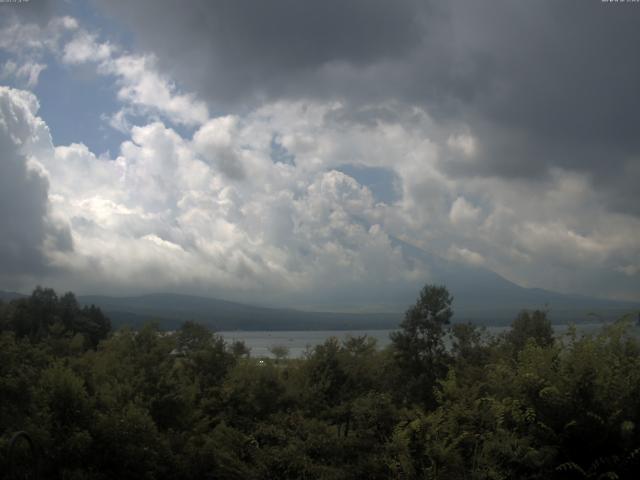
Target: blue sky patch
{"points": [[279, 153], [383, 182]]}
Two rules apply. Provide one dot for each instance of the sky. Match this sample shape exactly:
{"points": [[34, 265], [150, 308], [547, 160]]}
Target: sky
{"points": [[282, 152]]}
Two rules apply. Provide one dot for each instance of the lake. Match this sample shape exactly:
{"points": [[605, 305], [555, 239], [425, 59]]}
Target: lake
{"points": [[298, 342]]}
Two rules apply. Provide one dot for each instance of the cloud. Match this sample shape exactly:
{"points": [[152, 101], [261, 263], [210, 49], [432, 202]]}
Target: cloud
{"points": [[463, 143], [20, 36], [215, 142], [279, 154], [163, 215], [463, 212], [28, 73], [84, 47], [141, 87], [465, 255], [629, 270], [167, 213], [29, 42], [535, 86], [258, 49], [28, 230], [558, 243]]}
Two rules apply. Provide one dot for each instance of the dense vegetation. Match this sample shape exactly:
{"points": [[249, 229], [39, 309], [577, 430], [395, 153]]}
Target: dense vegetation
{"points": [[150, 405]]}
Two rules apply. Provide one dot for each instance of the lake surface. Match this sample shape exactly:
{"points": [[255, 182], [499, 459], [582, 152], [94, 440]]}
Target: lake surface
{"points": [[298, 342]]}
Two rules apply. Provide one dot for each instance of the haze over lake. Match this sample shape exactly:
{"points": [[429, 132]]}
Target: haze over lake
{"points": [[300, 342]]}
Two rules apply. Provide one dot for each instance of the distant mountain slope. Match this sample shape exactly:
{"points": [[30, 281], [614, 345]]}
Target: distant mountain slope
{"points": [[8, 296], [170, 310], [484, 296], [489, 299], [480, 296]]}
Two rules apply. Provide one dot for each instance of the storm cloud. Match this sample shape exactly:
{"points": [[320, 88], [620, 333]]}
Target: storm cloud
{"points": [[538, 84], [27, 228], [247, 51]]}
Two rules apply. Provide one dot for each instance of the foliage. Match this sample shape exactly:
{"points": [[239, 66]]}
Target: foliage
{"points": [[530, 326], [441, 402], [419, 346]]}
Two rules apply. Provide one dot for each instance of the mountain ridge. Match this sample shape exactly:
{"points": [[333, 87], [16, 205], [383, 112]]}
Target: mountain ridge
{"points": [[480, 296]]}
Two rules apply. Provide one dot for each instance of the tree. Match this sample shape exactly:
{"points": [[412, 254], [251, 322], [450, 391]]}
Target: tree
{"points": [[194, 336], [533, 326], [239, 349], [93, 324], [205, 355], [419, 348], [281, 352], [45, 316]]}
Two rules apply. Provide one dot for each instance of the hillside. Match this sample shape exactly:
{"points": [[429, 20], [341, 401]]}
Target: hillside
{"points": [[171, 309]]}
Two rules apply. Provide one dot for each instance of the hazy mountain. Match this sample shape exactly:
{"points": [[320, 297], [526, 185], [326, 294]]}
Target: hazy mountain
{"points": [[8, 296], [480, 295], [171, 309], [484, 296]]}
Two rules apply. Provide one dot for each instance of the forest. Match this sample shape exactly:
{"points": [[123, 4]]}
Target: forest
{"points": [[444, 401]]}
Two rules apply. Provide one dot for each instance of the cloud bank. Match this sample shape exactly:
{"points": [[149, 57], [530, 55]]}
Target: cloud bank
{"points": [[279, 155]]}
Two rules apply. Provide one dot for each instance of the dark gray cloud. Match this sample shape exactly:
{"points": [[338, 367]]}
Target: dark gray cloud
{"points": [[539, 83], [237, 51], [23, 200], [560, 81], [23, 206], [26, 225]]}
